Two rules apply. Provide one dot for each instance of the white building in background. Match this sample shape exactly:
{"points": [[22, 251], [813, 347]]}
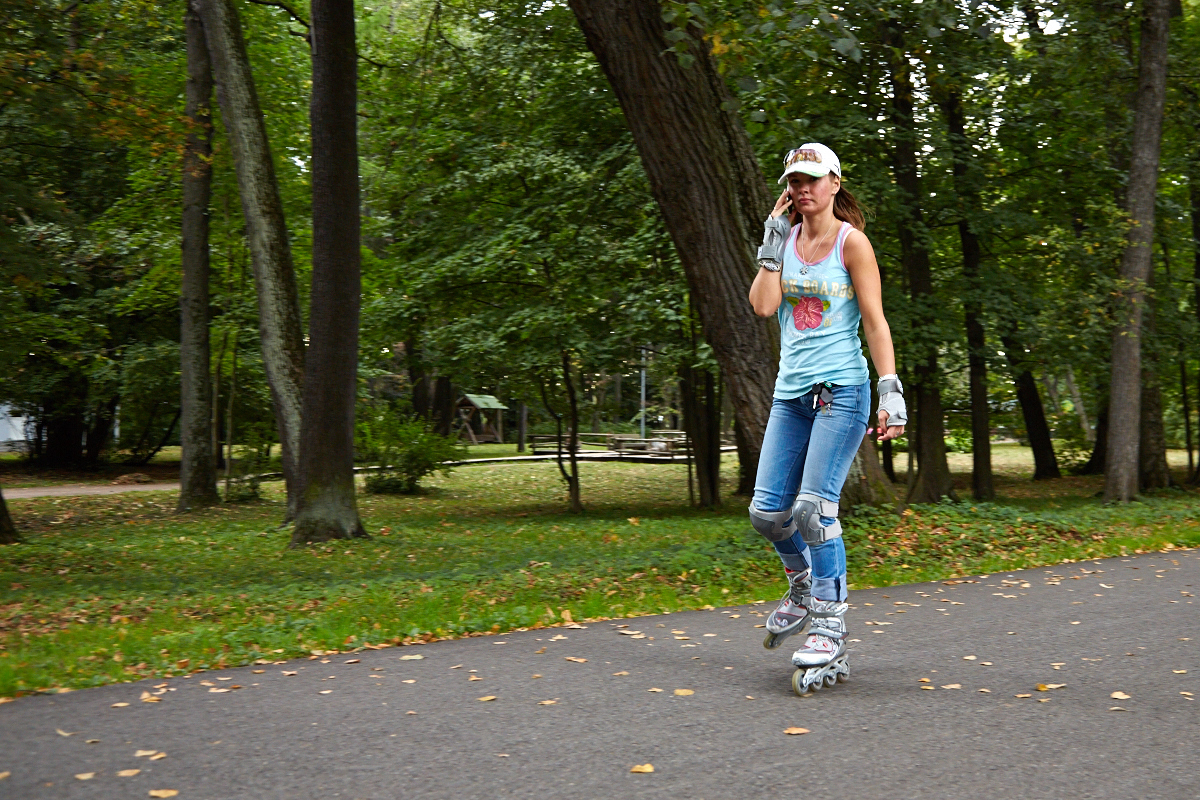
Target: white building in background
{"points": [[12, 430]]}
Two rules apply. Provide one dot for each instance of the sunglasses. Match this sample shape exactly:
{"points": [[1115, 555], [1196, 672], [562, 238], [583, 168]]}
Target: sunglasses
{"points": [[801, 154]]}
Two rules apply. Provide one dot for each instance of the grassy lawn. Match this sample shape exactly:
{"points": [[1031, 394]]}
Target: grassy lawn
{"points": [[112, 588]]}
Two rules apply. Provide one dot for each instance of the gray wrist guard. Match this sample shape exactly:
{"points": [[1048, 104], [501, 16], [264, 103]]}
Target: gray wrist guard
{"points": [[775, 235], [891, 400]]}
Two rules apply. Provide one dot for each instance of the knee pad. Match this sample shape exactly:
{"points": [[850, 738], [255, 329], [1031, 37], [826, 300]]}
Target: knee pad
{"points": [[807, 513], [775, 526]]}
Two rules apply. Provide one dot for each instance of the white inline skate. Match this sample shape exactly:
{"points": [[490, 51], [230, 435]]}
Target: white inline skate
{"points": [[791, 616], [822, 661]]}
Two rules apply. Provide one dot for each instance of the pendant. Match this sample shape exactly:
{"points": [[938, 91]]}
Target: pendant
{"points": [[804, 269]]}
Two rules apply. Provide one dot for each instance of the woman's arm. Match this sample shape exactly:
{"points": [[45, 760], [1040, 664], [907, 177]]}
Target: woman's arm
{"points": [[766, 293], [860, 262]]}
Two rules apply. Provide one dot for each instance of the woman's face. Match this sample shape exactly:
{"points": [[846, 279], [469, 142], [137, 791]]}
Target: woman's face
{"points": [[812, 195]]}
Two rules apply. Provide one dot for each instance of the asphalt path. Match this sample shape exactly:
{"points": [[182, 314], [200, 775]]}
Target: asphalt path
{"points": [[82, 489], [943, 702]]}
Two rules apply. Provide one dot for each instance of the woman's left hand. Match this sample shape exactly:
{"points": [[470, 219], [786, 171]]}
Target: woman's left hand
{"points": [[887, 433]]}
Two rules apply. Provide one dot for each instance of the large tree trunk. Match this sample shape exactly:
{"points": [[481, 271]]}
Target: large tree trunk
{"points": [[327, 508], [708, 187], [266, 228], [933, 480], [866, 484], [8, 530], [982, 486], [702, 419], [197, 468], [1124, 408], [1045, 463], [1153, 472], [1194, 192]]}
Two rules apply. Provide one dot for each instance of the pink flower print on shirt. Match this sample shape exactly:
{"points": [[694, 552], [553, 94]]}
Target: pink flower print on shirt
{"points": [[806, 312]]}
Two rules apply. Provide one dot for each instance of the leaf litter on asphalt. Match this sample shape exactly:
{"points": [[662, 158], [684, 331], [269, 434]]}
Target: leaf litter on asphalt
{"points": [[643, 768], [796, 731]]}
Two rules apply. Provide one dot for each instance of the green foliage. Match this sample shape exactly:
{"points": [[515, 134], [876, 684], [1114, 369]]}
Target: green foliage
{"points": [[403, 451]]}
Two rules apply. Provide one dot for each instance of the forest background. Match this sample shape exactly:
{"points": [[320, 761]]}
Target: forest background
{"points": [[511, 241]]}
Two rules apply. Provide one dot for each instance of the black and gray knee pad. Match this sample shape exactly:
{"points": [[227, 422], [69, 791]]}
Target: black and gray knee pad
{"points": [[775, 526], [807, 513]]}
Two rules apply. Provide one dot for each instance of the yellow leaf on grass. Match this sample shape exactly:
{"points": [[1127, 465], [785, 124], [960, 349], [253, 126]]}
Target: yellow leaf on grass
{"points": [[576, 660], [1119, 696], [644, 768], [486, 698], [566, 615], [684, 692], [796, 731], [127, 773], [163, 792], [85, 776], [141, 753]]}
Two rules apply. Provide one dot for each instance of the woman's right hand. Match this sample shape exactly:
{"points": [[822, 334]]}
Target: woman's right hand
{"points": [[781, 205]]}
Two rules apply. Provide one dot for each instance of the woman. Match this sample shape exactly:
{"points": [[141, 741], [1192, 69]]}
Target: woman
{"points": [[819, 276]]}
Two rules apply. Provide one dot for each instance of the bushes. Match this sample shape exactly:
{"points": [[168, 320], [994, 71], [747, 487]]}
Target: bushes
{"points": [[404, 450]]}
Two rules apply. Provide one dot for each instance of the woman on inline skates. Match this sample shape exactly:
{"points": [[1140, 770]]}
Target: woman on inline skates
{"points": [[819, 276]]}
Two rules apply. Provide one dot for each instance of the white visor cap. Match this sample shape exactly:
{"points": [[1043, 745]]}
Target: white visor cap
{"points": [[811, 159]]}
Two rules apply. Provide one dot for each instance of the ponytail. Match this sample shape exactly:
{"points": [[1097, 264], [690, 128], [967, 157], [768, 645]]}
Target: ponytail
{"points": [[847, 209]]}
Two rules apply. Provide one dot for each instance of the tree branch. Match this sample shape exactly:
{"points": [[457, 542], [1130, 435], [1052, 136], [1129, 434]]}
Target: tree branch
{"points": [[288, 9]]}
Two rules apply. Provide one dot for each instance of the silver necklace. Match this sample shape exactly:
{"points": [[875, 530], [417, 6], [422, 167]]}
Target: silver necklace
{"points": [[803, 266]]}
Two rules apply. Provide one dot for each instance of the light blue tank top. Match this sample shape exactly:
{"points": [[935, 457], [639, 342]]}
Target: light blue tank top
{"points": [[818, 321]]}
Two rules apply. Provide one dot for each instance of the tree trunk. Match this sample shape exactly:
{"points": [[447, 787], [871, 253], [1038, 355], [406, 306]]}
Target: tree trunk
{"points": [[327, 508], [576, 503], [522, 425], [982, 486], [866, 484], [708, 187], [1187, 411], [197, 467], [99, 433], [8, 530], [1045, 463], [702, 419], [266, 228], [443, 406], [1077, 401], [933, 480], [1153, 472], [1096, 463], [1121, 478]]}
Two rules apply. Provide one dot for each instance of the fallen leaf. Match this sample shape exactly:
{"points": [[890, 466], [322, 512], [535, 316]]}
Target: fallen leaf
{"points": [[410, 680], [558, 637], [1119, 696], [210, 683], [796, 731], [61, 732], [213, 690], [141, 753], [923, 680], [986, 691], [457, 666], [1187, 694], [749, 697], [1116, 708], [683, 637], [645, 768], [474, 678], [968, 658], [539, 652], [149, 698], [224, 679], [4, 775], [486, 698], [760, 626], [323, 691], [684, 692], [628, 633], [952, 686], [620, 673], [1074, 623], [413, 657], [92, 741], [930, 688], [127, 773], [158, 756], [536, 675], [1022, 695], [1045, 687], [258, 671], [547, 702], [654, 690], [163, 792], [566, 615], [1179, 671], [354, 661], [289, 673], [85, 776], [576, 660]]}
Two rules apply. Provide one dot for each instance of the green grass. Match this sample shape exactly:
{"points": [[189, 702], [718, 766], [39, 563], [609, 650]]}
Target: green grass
{"points": [[117, 587]]}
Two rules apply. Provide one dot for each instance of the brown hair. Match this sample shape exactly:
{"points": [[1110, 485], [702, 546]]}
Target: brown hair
{"points": [[845, 207]]}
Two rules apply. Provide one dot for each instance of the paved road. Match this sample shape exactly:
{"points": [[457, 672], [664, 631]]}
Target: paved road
{"points": [[80, 489], [388, 726]]}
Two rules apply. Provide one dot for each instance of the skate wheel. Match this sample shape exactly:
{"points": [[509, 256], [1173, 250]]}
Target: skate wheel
{"points": [[843, 677], [798, 682], [772, 641], [831, 679]]}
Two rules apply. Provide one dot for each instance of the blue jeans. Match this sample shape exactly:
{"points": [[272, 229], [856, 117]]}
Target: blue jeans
{"points": [[809, 451]]}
